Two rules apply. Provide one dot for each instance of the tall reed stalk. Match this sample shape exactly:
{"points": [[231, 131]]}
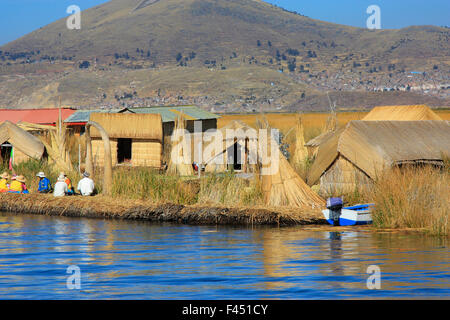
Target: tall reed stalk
{"points": [[415, 197]]}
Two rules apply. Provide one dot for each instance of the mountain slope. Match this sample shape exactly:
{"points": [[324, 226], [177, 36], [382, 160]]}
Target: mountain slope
{"points": [[217, 28], [214, 35]]}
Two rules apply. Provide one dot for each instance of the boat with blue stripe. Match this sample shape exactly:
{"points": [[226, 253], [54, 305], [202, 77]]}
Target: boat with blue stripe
{"points": [[350, 216]]}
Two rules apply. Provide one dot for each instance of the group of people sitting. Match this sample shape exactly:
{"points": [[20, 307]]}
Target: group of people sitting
{"points": [[17, 184], [63, 186]]}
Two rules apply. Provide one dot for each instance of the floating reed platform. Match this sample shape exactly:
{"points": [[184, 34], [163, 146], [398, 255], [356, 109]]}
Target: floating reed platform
{"points": [[111, 208]]}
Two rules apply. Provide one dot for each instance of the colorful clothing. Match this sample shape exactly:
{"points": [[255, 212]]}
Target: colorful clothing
{"points": [[16, 187], [44, 185], [69, 187], [4, 187]]}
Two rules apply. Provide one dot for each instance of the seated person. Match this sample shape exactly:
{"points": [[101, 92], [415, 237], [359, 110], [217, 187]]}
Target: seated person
{"points": [[86, 185], [4, 185], [69, 184], [45, 185], [60, 187], [18, 185]]}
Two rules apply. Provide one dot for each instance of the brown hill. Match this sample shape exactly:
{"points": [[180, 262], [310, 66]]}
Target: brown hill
{"points": [[203, 35]]}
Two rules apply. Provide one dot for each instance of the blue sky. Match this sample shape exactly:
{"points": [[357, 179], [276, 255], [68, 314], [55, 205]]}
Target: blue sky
{"points": [[19, 17]]}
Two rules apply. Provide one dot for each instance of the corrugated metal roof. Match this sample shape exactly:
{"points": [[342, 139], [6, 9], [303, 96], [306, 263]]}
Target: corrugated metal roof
{"points": [[169, 114], [36, 116], [83, 116]]}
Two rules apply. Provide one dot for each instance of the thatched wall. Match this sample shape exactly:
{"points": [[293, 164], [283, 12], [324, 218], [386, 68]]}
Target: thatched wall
{"points": [[343, 177], [98, 152], [20, 157], [144, 153]]}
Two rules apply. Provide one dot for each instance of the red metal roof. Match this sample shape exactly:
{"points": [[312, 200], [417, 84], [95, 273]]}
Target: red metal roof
{"points": [[36, 116]]}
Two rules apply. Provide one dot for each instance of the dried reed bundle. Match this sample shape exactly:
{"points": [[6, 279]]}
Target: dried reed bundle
{"points": [[301, 153], [285, 187], [183, 166]]}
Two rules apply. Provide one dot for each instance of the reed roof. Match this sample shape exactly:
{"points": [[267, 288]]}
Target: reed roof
{"points": [[129, 125], [386, 113], [22, 140], [402, 113], [317, 141], [374, 145]]}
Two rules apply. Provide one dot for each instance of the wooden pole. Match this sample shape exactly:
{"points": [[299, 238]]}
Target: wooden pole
{"points": [[79, 157], [107, 177]]}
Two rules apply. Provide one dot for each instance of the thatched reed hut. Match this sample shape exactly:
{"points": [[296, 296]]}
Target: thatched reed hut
{"points": [[22, 144], [136, 139], [356, 154], [401, 113], [236, 151], [382, 113]]}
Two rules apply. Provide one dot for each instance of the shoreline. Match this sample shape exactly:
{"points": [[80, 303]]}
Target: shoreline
{"points": [[100, 207]]}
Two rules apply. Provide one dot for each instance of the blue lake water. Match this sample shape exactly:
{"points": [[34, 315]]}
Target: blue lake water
{"points": [[140, 260]]}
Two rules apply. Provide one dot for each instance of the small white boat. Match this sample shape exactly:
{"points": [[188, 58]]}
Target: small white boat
{"points": [[350, 216]]}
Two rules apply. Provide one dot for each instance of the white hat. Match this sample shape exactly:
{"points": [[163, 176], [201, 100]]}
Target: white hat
{"points": [[41, 175], [61, 178], [86, 174]]}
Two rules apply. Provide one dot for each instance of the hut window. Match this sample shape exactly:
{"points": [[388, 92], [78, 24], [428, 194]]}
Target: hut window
{"points": [[124, 150]]}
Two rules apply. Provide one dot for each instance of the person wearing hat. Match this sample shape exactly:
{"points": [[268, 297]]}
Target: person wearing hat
{"points": [[60, 187], [69, 184], [45, 185], [4, 185], [18, 185], [86, 185]]}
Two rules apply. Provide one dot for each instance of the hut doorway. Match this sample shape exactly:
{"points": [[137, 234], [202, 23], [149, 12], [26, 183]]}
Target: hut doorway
{"points": [[237, 157], [6, 152], [124, 150]]}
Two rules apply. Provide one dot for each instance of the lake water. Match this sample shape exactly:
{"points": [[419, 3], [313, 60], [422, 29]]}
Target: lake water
{"points": [[140, 260]]}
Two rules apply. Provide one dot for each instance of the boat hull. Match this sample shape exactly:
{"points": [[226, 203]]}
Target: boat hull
{"points": [[350, 217]]}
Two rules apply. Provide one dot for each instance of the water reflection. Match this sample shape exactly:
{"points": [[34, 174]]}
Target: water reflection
{"points": [[122, 259]]}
